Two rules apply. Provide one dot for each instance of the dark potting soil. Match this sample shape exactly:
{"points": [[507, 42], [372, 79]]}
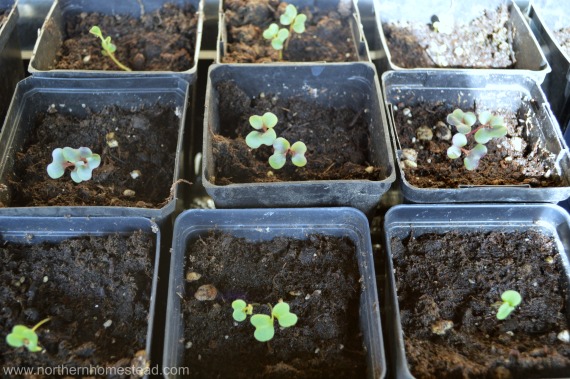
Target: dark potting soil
{"points": [[454, 281], [563, 37], [337, 139], [163, 40], [485, 42], [328, 36], [318, 278], [147, 140], [510, 160], [82, 284]]}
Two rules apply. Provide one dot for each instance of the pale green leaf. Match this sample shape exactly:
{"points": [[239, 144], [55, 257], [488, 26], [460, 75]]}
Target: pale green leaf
{"points": [[299, 148], [459, 140], [453, 152], [268, 137], [260, 320], [269, 120], [287, 320], [504, 311], [469, 119], [264, 333], [471, 162], [485, 117], [277, 44], [299, 24], [271, 31], [483, 136], [283, 35], [478, 151], [71, 155], [95, 30], [512, 297], [299, 160], [281, 145], [55, 170], [254, 139], [289, 15], [93, 161], [256, 122], [277, 160]]}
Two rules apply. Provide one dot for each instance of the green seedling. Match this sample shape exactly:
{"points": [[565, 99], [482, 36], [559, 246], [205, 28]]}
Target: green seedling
{"points": [[264, 329], [267, 135], [264, 324], [489, 127], [511, 299], [282, 148], [108, 47], [82, 161], [241, 310], [23, 336], [280, 36]]}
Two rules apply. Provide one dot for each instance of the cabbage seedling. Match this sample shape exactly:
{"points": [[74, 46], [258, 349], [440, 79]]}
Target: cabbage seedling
{"points": [[267, 135], [241, 310], [489, 127], [511, 299], [280, 36], [282, 148], [82, 161], [23, 336], [108, 47]]}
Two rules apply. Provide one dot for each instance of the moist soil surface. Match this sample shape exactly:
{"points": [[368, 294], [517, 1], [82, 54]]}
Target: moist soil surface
{"points": [[163, 40], [510, 160], [449, 288], [485, 42], [317, 277], [337, 139], [328, 35], [81, 284], [563, 37], [147, 140]]}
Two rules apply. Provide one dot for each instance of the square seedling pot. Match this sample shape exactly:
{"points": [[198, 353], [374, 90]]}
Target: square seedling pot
{"points": [[53, 34], [11, 69], [529, 59], [258, 225], [546, 17], [258, 18], [487, 91], [352, 86], [409, 222], [76, 98], [30, 231]]}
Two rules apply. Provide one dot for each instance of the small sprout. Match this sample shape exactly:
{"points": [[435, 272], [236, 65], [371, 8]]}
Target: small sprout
{"points": [[264, 329], [511, 299], [108, 47], [280, 36], [283, 148], [23, 336], [266, 123], [82, 160], [241, 310], [264, 324], [490, 126], [276, 35]]}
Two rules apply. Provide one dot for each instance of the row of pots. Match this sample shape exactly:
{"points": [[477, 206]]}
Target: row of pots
{"points": [[357, 83], [263, 226]]}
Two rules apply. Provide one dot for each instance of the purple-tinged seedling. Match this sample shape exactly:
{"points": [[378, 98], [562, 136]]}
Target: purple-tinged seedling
{"points": [[82, 162], [263, 133], [282, 148], [489, 127]]}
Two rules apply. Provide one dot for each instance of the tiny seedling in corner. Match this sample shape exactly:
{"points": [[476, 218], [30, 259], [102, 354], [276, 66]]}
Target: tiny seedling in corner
{"points": [[264, 324], [282, 148], [489, 127], [82, 162], [241, 310], [511, 299], [108, 47], [23, 336], [263, 133], [280, 36]]}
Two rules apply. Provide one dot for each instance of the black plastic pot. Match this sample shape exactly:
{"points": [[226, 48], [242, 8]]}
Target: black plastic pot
{"points": [[357, 82], [530, 60], [36, 95], [544, 18], [493, 91], [360, 44], [404, 220], [36, 230], [52, 33], [11, 68], [263, 225]]}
